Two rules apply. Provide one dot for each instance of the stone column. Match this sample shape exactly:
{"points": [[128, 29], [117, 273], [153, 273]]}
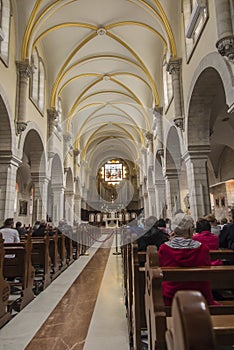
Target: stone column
{"points": [[160, 197], [225, 43], [52, 117], [77, 208], [58, 203], [199, 193], [76, 153], [174, 68], [158, 115], [151, 202], [40, 183], [69, 207], [146, 205], [24, 72], [8, 170], [172, 192], [150, 149]]}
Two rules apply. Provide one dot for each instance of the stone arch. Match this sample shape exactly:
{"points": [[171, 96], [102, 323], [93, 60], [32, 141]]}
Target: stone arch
{"points": [[6, 140], [212, 75], [208, 128], [8, 164], [32, 178]]}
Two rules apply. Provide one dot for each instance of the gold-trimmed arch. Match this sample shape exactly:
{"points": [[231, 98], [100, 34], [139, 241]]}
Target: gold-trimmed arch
{"points": [[140, 24], [76, 103], [121, 93], [84, 151], [85, 60], [93, 116]]}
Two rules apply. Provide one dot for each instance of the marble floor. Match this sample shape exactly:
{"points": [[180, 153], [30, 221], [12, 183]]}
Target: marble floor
{"points": [[82, 309]]}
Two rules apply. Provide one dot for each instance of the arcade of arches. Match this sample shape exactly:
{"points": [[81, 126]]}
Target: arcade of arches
{"points": [[109, 107], [163, 105]]}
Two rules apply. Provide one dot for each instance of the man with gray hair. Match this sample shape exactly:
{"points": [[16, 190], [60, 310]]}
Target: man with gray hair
{"points": [[182, 251]]}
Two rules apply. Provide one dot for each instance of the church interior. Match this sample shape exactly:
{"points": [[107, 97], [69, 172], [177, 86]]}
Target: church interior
{"points": [[111, 112]]}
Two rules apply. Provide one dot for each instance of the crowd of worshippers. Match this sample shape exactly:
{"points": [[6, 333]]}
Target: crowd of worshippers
{"points": [[186, 244], [12, 232], [206, 230]]}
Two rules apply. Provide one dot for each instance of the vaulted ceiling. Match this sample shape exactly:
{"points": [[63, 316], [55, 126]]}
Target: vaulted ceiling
{"points": [[104, 59]]}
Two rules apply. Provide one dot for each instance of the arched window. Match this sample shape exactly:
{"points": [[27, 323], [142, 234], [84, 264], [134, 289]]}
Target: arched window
{"points": [[195, 18], [5, 15], [37, 90]]}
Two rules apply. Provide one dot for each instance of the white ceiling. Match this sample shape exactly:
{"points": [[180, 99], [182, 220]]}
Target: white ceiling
{"points": [[104, 60]]}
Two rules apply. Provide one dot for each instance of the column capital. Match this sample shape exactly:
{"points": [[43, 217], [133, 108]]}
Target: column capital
{"points": [[76, 152], [24, 69], [9, 158], [196, 152], [174, 65], [157, 111], [171, 174], [52, 114], [225, 47]]}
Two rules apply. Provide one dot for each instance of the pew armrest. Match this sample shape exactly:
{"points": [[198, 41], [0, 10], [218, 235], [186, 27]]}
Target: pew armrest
{"points": [[182, 334]]}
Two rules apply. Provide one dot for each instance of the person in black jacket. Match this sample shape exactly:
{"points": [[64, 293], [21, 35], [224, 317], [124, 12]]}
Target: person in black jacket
{"points": [[152, 235]]}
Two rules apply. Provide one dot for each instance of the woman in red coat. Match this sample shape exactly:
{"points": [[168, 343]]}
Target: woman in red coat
{"points": [[183, 251]]}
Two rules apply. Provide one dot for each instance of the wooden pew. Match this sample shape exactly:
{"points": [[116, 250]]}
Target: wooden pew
{"points": [[5, 315], [139, 325], [54, 255], [221, 277], [41, 261], [223, 254], [62, 252], [134, 282], [190, 326], [20, 266], [69, 247]]}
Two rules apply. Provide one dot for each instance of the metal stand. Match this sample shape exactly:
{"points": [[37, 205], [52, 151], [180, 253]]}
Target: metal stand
{"points": [[116, 244]]}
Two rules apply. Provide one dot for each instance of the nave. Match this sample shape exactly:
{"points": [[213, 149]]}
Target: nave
{"points": [[82, 309]]}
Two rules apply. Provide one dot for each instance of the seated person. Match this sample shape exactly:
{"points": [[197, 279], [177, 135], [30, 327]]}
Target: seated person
{"points": [[41, 231], [204, 235], [151, 235], [183, 251], [20, 228]]}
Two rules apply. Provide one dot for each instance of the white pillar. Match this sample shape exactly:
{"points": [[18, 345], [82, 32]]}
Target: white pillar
{"points": [[199, 194], [58, 203], [8, 170]]}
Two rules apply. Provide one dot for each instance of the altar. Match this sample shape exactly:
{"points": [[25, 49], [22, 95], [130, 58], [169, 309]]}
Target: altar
{"points": [[111, 222]]}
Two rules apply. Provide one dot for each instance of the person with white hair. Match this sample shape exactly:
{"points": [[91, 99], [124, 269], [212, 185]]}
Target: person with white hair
{"points": [[182, 251]]}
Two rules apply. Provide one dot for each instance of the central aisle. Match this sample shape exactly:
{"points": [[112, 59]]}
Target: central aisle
{"points": [[89, 315]]}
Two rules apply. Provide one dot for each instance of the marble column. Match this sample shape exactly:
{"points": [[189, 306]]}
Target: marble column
{"points": [[225, 43], [8, 170], [40, 183], [174, 68], [172, 192], [24, 72], [199, 194], [58, 203], [52, 117]]}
